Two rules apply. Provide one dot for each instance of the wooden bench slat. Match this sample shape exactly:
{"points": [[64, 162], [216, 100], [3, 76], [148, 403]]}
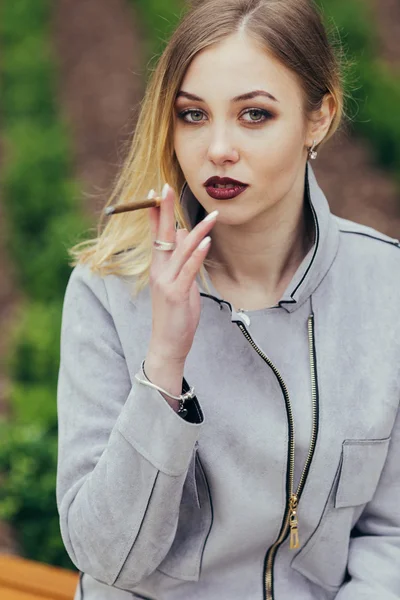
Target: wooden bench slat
{"points": [[8, 594], [37, 579]]}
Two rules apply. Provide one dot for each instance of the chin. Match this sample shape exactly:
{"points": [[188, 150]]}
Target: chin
{"points": [[232, 215]]}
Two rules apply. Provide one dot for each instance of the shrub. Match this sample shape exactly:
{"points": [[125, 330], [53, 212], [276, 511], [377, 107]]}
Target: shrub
{"points": [[376, 86], [43, 220], [28, 457]]}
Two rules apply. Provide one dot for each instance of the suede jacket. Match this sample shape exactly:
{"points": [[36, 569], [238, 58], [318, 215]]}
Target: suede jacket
{"points": [[283, 481]]}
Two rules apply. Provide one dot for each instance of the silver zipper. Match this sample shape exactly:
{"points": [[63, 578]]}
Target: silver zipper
{"points": [[290, 520]]}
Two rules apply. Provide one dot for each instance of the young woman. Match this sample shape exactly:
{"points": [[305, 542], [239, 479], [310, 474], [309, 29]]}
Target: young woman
{"points": [[229, 382]]}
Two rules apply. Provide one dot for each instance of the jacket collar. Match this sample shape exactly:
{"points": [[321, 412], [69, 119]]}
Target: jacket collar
{"points": [[318, 261]]}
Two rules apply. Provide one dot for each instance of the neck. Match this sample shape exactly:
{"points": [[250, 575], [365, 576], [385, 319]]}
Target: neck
{"points": [[264, 254]]}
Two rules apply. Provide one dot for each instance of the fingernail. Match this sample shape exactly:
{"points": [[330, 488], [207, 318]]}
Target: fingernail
{"points": [[211, 216], [204, 243], [151, 194], [165, 191]]}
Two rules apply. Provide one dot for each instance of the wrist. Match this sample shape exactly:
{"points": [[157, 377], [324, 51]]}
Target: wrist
{"points": [[159, 352], [158, 362], [167, 375]]}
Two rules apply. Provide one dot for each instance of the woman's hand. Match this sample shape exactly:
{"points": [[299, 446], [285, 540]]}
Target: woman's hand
{"points": [[175, 295]]}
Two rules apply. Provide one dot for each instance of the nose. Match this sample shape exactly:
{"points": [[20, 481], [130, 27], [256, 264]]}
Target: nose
{"points": [[221, 150]]}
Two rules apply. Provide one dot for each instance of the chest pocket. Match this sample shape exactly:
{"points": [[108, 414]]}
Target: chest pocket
{"points": [[183, 560], [362, 464], [323, 560]]}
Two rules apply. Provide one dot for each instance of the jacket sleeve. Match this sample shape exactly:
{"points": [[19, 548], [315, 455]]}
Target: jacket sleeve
{"points": [[374, 553], [123, 452]]}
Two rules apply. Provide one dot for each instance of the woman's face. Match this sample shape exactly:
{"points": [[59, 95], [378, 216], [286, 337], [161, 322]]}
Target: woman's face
{"points": [[259, 141]]}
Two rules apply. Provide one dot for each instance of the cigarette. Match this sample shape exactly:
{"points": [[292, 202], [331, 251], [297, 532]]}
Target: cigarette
{"points": [[121, 208]]}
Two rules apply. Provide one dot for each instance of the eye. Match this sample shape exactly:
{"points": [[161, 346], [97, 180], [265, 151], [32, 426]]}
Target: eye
{"points": [[196, 116], [257, 115]]}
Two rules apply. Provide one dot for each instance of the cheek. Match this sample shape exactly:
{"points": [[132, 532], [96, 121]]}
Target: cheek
{"points": [[179, 148], [276, 162], [189, 147], [281, 147], [282, 137]]}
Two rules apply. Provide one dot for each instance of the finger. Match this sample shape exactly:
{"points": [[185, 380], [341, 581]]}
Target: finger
{"points": [[189, 243], [192, 266], [154, 217], [166, 230], [181, 235], [166, 227]]}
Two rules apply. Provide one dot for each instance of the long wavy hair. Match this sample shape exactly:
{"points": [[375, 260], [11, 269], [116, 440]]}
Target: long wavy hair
{"points": [[291, 30]]}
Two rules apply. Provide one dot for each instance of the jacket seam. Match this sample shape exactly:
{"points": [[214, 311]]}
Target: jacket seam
{"points": [[199, 554], [317, 243], [81, 585], [366, 442], [391, 242], [307, 298], [107, 296], [321, 525], [124, 555]]}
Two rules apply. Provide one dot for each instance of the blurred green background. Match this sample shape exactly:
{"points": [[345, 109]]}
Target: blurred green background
{"points": [[72, 76]]}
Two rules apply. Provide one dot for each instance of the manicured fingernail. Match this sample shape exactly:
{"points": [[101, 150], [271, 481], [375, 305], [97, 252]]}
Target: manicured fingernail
{"points": [[204, 243], [165, 191], [211, 216], [151, 195]]}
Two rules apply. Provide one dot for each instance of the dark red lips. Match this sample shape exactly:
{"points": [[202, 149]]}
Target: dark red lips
{"points": [[224, 193], [223, 181]]}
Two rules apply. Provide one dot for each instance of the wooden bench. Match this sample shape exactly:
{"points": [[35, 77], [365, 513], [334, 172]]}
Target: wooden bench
{"points": [[22, 579]]}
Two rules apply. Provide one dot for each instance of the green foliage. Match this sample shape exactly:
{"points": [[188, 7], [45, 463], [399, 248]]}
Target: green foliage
{"points": [[159, 19], [379, 118], [34, 403], [27, 88], [35, 355], [377, 86], [28, 450], [28, 457], [40, 201], [353, 19], [37, 188]]}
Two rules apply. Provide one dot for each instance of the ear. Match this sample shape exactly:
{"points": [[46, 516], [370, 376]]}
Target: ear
{"points": [[320, 121]]}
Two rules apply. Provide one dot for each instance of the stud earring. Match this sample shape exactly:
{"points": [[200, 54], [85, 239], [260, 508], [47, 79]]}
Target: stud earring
{"points": [[312, 153]]}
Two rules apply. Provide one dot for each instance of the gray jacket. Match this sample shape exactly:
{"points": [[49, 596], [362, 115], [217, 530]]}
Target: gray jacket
{"points": [[298, 402]]}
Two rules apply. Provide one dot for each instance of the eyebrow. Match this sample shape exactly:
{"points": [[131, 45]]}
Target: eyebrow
{"points": [[241, 98]]}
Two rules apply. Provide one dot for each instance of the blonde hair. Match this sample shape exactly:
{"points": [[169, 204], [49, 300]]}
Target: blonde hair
{"points": [[291, 30]]}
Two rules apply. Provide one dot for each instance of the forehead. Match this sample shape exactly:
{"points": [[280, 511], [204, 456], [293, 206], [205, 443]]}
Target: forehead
{"points": [[236, 65]]}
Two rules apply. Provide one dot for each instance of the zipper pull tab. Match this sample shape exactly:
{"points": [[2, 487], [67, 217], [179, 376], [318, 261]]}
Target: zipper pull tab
{"points": [[245, 317], [293, 522]]}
